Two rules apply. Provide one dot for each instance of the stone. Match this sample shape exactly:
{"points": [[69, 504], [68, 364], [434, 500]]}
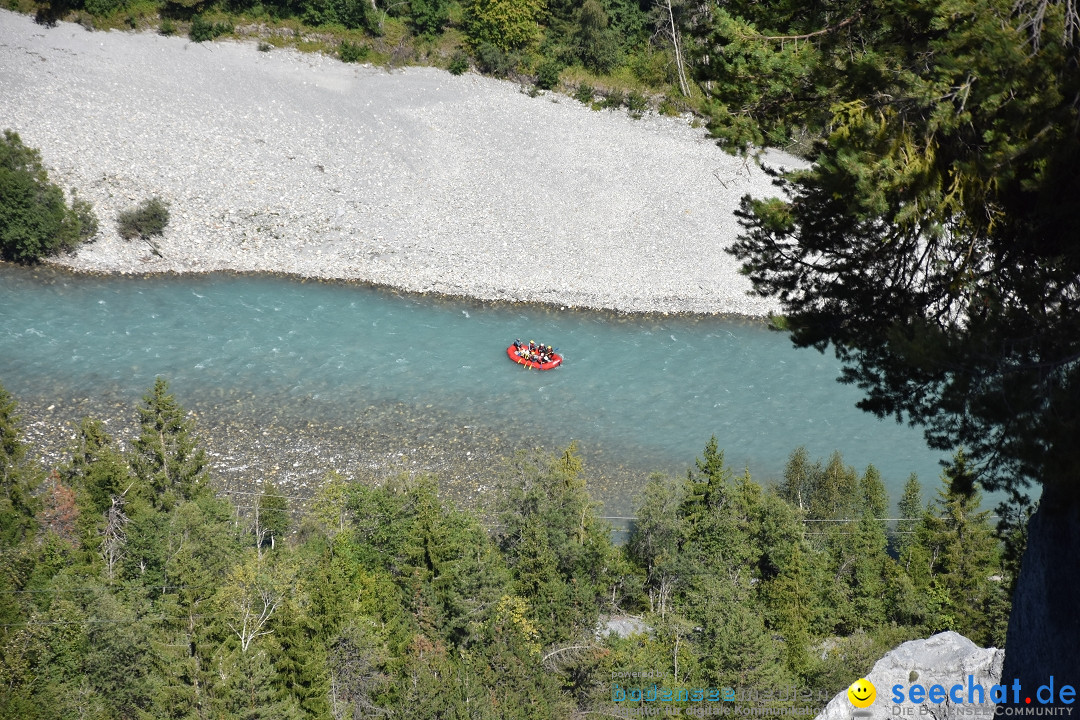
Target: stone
{"points": [[946, 659], [622, 626]]}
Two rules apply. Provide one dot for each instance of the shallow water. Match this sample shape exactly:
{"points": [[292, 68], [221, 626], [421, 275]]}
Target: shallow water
{"points": [[645, 392]]}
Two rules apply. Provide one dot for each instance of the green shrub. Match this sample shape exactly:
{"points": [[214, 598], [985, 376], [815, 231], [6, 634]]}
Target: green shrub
{"points": [[614, 99], [351, 52], [35, 221], [353, 14], [494, 61], [654, 67], [428, 17], [669, 107], [203, 30], [167, 27], [636, 104], [149, 218], [547, 74], [459, 62], [103, 8], [509, 25], [584, 93], [598, 44], [264, 47], [84, 214]]}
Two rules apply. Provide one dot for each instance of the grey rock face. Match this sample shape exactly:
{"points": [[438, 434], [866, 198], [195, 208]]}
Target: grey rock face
{"points": [[946, 659], [1044, 626], [622, 626]]}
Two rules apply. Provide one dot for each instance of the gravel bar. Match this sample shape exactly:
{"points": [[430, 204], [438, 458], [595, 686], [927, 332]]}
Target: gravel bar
{"points": [[297, 163]]}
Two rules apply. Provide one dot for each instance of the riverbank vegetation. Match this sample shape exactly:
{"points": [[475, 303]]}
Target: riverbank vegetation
{"points": [[763, 73], [131, 588], [35, 218]]}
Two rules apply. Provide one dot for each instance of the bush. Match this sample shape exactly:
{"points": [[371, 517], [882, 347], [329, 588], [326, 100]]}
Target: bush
{"points": [[584, 93], [149, 218], [353, 14], [428, 17], [547, 74], [103, 8], [459, 62], [264, 47], [167, 27], [203, 30], [614, 99], [35, 221], [351, 52], [494, 61], [636, 104], [598, 44], [509, 25], [670, 107]]}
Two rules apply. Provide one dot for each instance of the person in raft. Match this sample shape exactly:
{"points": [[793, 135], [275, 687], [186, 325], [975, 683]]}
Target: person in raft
{"points": [[536, 353]]}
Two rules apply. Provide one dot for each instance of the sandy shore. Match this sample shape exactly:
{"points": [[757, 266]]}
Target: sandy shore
{"points": [[417, 179]]}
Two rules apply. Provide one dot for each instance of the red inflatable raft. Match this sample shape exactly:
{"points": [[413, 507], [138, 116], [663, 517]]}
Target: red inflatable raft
{"points": [[556, 360]]}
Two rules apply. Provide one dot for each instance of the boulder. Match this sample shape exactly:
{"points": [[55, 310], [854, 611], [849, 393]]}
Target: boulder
{"points": [[945, 659], [622, 626]]}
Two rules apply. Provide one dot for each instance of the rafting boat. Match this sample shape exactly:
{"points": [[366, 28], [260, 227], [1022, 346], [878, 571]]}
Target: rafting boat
{"points": [[556, 360]]}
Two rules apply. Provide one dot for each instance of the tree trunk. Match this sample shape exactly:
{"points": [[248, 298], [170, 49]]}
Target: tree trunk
{"points": [[683, 84], [1044, 626]]}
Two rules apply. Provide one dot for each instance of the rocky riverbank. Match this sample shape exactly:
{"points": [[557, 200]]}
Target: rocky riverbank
{"points": [[416, 179]]}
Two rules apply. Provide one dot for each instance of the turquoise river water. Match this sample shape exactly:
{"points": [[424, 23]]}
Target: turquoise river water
{"points": [[648, 390]]}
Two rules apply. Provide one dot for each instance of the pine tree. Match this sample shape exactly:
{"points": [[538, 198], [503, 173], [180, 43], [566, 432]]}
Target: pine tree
{"points": [[792, 598], [300, 663], [834, 494], [552, 540], [966, 550], [249, 693], [167, 457], [97, 467], [911, 508]]}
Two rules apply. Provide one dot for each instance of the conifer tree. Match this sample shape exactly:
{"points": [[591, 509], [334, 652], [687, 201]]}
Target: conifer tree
{"points": [[549, 535], [18, 478], [300, 661], [932, 244], [97, 466], [964, 552], [911, 509], [167, 457], [834, 494]]}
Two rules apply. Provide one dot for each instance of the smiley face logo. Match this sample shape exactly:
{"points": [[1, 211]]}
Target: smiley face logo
{"points": [[862, 693]]}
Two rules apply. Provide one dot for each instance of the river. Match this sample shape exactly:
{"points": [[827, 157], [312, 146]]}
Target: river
{"points": [[637, 393]]}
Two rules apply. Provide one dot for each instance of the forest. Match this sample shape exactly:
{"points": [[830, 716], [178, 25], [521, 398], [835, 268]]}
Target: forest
{"points": [[131, 586]]}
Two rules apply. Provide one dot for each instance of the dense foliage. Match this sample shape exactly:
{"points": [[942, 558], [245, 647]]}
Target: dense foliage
{"points": [[146, 219], [933, 244], [129, 589], [35, 220]]}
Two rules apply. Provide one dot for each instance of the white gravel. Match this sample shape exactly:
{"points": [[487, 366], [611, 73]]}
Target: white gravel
{"points": [[297, 163]]}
